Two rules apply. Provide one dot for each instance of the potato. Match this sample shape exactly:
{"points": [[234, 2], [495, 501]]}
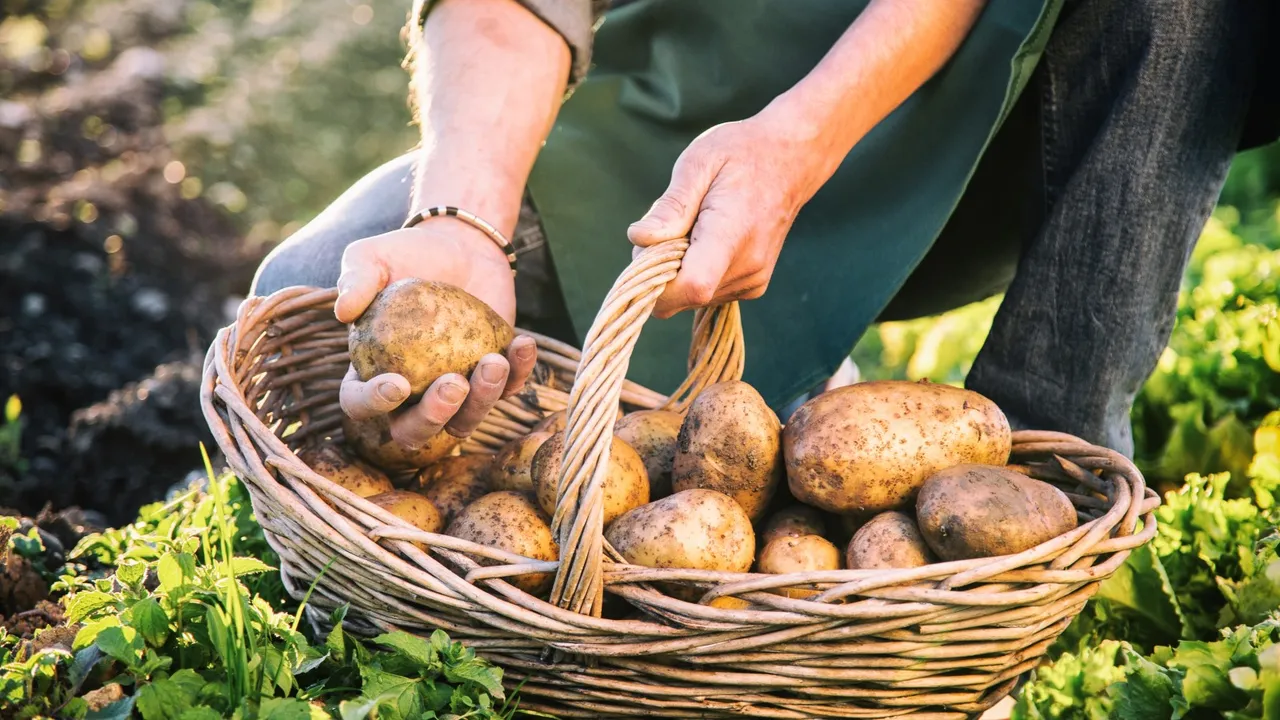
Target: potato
{"points": [[870, 446], [371, 439], [890, 540], [509, 521], [423, 329], [512, 468], [625, 487], [552, 423], [699, 529], [411, 507], [793, 521], [653, 434], [455, 482], [804, 553], [729, 602], [338, 466], [730, 442], [972, 511]]}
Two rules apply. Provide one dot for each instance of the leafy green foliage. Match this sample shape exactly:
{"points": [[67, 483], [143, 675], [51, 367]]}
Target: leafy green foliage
{"points": [[191, 627]]}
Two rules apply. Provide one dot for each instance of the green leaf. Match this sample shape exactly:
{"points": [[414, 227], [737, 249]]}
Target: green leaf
{"points": [[131, 572], [1142, 587], [121, 643], [357, 709], [412, 648], [248, 566], [169, 698], [150, 620], [219, 635], [1207, 682], [175, 570], [85, 661], [121, 709], [83, 604], [12, 409], [200, 712], [477, 671], [397, 691], [88, 634], [284, 709], [1145, 693]]}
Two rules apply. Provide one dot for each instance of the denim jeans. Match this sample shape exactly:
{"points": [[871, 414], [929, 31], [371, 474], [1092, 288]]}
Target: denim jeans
{"points": [[1140, 107]]}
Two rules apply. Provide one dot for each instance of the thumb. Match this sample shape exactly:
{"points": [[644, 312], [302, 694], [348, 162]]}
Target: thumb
{"points": [[673, 214], [357, 286]]}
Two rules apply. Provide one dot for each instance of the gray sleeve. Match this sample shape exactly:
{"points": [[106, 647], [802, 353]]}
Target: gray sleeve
{"points": [[575, 20]]}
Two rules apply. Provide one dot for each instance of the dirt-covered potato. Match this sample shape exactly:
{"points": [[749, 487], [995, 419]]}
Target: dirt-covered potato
{"points": [[371, 439], [509, 520], [700, 529], [423, 329], [653, 434], [512, 467], [792, 554], [793, 521], [552, 423], [411, 507], [730, 442], [625, 487], [972, 511], [340, 467], [455, 482], [728, 602], [870, 446], [890, 540]]}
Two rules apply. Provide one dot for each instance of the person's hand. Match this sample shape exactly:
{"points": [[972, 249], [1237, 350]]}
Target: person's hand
{"points": [[449, 251], [734, 193]]}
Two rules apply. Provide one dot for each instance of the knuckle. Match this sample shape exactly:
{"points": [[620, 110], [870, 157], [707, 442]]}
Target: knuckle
{"points": [[700, 291]]}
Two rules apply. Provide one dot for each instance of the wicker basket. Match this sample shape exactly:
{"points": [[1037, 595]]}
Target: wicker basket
{"points": [[943, 641]]}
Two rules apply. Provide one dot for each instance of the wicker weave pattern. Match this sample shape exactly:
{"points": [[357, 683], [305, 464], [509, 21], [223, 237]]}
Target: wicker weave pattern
{"points": [[942, 641]]}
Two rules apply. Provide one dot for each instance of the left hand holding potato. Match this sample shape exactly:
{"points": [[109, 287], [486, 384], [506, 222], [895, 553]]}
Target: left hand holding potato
{"points": [[735, 192]]}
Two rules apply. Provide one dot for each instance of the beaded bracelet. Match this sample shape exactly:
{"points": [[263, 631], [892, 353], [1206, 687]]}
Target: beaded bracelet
{"points": [[463, 215]]}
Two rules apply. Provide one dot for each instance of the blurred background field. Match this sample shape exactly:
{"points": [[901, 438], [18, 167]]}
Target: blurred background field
{"points": [[151, 151]]}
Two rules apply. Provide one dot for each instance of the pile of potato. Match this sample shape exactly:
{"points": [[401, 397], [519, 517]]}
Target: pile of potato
{"points": [[874, 475]]}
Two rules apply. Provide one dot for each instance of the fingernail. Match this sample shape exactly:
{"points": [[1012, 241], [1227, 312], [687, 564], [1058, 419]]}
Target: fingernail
{"points": [[389, 392], [491, 372], [526, 351], [453, 393]]}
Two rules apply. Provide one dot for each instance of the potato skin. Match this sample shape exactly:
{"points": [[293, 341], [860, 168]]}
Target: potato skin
{"points": [[552, 423], [423, 329], [870, 446], [371, 439], [803, 553], [793, 521], [512, 468], [411, 507], [454, 482], [889, 540], [625, 487], [972, 511], [654, 434], [510, 521], [730, 442], [340, 467], [700, 529]]}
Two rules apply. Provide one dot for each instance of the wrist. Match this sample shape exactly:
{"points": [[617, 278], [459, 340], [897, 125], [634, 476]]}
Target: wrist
{"points": [[466, 239]]}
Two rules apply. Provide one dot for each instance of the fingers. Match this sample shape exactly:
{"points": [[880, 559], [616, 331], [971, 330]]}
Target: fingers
{"points": [[711, 250], [521, 356], [379, 396], [487, 384], [424, 420], [673, 214], [362, 278]]}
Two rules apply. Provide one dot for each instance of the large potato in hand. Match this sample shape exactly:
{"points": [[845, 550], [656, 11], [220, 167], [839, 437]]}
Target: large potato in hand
{"points": [[869, 447], [626, 485], [371, 439], [509, 521], [653, 434], [972, 511], [889, 540], [455, 482], [411, 507], [730, 442], [804, 553], [339, 467], [793, 521], [512, 468], [423, 329], [700, 529]]}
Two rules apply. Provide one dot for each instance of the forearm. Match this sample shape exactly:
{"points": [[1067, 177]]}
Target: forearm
{"points": [[488, 79], [892, 49]]}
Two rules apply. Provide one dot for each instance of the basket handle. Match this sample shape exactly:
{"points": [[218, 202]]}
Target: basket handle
{"points": [[715, 355]]}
